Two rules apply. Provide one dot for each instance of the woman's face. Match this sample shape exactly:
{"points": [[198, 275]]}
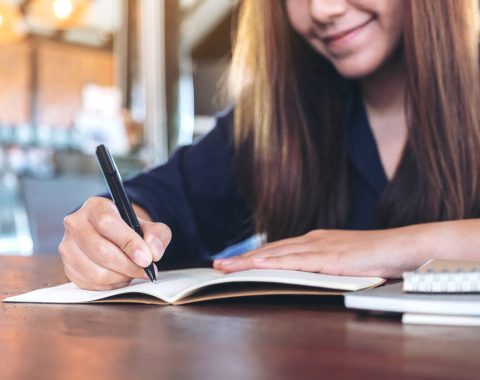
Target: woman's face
{"points": [[357, 36]]}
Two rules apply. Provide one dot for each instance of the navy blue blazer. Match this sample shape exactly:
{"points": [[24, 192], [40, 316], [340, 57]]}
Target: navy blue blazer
{"points": [[195, 193]]}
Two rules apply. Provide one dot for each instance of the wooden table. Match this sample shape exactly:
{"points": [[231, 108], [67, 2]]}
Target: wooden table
{"points": [[274, 338]]}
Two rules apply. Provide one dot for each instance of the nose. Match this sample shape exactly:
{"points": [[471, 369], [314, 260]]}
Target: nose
{"points": [[326, 11]]}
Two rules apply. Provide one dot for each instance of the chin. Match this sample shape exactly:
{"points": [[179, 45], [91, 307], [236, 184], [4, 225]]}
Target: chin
{"points": [[357, 67], [355, 71]]}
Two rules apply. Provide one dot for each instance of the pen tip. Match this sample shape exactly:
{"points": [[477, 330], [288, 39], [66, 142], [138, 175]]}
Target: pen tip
{"points": [[150, 271]]}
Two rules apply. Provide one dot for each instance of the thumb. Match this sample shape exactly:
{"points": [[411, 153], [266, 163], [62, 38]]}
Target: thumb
{"points": [[157, 236]]}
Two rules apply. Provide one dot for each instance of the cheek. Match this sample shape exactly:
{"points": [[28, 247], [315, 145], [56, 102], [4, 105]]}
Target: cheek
{"points": [[396, 24], [390, 15], [375, 48], [367, 53], [390, 29], [298, 12], [372, 52]]}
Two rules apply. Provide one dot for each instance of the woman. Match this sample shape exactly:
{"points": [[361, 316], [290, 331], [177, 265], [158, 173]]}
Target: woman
{"points": [[354, 149]]}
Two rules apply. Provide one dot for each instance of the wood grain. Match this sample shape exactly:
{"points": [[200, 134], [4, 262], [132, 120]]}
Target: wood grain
{"points": [[263, 338]]}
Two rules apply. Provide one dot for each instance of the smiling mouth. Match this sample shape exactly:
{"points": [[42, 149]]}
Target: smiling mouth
{"points": [[333, 38]]}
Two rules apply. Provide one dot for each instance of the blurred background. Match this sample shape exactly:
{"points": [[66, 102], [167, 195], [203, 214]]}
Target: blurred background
{"points": [[142, 76]]}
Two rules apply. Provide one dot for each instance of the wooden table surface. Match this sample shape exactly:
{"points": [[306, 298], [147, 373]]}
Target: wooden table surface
{"points": [[273, 338]]}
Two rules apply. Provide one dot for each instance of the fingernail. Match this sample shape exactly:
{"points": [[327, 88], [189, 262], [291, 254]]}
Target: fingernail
{"points": [[259, 260], [142, 258], [226, 262], [158, 248]]}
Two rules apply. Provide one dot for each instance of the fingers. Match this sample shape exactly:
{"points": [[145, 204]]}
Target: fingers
{"points": [[304, 261], [301, 243], [74, 276], [277, 250], [100, 251], [157, 236], [85, 273], [105, 254], [107, 222], [247, 260], [297, 246]]}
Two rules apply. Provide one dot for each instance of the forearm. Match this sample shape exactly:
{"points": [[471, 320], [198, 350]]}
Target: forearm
{"points": [[385, 253], [459, 239]]}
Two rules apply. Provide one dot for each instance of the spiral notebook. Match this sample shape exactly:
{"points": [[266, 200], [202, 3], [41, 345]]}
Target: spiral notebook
{"points": [[444, 276]]}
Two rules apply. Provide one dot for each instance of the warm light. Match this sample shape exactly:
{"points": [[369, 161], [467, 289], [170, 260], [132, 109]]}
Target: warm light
{"points": [[62, 9], [56, 14], [11, 27]]}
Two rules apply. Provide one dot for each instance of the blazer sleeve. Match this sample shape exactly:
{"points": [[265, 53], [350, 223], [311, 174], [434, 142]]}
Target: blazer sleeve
{"points": [[196, 195]]}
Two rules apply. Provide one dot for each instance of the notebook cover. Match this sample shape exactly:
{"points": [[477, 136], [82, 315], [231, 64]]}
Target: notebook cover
{"points": [[449, 265], [224, 292], [392, 298]]}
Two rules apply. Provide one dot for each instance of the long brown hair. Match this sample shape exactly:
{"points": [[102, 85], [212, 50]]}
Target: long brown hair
{"points": [[290, 108]]}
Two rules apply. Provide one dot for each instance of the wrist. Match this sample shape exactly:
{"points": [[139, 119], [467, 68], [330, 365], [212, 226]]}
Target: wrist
{"points": [[417, 245], [429, 241]]}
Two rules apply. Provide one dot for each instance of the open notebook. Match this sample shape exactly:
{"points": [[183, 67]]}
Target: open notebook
{"points": [[199, 284]]}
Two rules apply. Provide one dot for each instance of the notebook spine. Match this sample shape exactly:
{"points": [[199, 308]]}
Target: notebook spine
{"points": [[442, 282]]}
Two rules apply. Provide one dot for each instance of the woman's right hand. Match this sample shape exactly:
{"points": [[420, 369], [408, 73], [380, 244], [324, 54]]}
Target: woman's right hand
{"points": [[100, 251]]}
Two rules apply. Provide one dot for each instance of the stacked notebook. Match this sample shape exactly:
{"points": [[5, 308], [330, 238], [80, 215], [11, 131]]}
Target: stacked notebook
{"points": [[445, 292]]}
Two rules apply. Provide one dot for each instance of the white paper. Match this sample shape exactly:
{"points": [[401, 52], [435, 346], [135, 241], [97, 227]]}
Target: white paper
{"points": [[167, 286], [174, 285], [443, 320]]}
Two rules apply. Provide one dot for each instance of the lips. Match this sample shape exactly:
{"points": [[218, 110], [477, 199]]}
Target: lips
{"points": [[329, 38]]}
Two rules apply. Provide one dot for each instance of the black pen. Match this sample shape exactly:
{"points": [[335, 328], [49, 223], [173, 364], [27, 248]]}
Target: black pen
{"points": [[120, 198]]}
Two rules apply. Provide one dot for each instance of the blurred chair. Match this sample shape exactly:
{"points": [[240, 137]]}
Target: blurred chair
{"points": [[48, 201]]}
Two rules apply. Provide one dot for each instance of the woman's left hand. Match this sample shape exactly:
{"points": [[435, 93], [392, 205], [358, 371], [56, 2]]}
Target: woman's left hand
{"points": [[385, 253]]}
